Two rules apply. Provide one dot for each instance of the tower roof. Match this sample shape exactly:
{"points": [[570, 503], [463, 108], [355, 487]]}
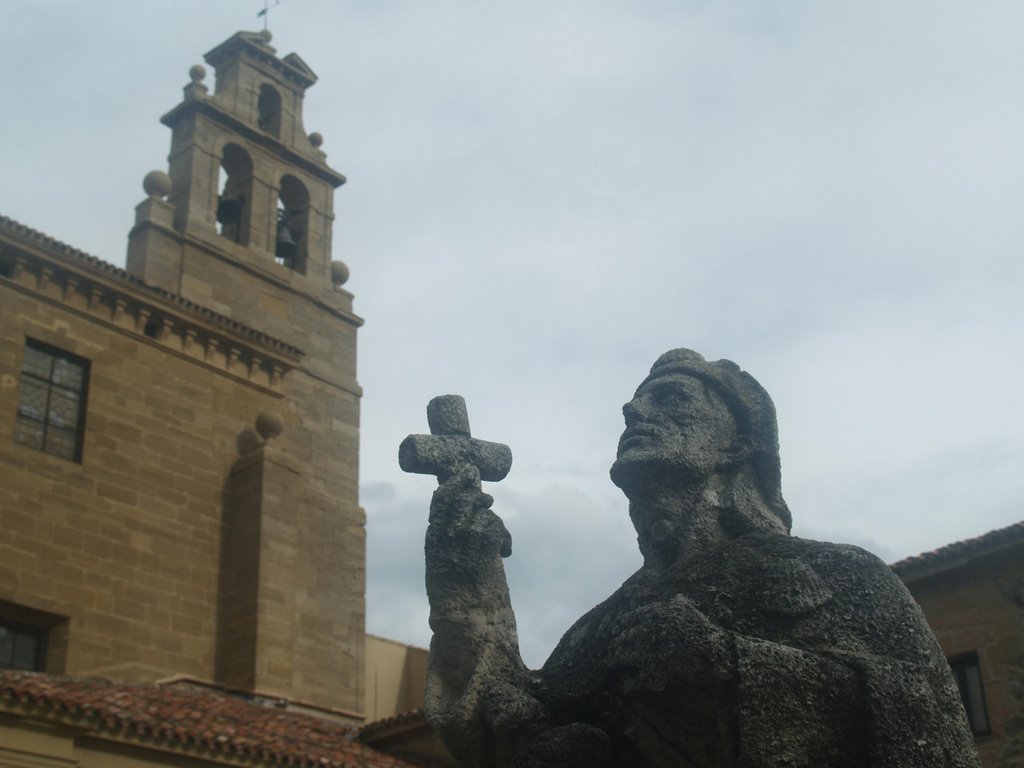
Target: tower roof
{"points": [[257, 46]]}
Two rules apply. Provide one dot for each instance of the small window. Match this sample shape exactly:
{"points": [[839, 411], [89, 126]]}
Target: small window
{"points": [[22, 647], [967, 673], [51, 401], [268, 109], [32, 639]]}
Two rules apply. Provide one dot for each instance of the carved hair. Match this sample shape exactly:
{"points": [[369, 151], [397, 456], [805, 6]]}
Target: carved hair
{"points": [[757, 436]]}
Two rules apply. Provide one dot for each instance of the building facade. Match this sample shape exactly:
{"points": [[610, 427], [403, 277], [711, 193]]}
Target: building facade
{"points": [[179, 440], [972, 593]]}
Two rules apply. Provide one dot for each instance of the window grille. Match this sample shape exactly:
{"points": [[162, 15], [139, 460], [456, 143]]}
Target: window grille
{"points": [[51, 401]]}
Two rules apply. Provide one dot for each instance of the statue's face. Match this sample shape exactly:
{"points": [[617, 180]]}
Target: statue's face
{"points": [[677, 429]]}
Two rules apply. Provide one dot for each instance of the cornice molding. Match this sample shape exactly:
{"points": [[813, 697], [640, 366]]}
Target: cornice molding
{"points": [[35, 264]]}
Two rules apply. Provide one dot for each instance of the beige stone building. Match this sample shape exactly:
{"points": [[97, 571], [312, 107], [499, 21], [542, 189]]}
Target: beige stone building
{"points": [[179, 453], [139, 542], [972, 593]]}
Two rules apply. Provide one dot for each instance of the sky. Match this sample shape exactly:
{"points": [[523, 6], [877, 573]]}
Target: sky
{"points": [[545, 196]]}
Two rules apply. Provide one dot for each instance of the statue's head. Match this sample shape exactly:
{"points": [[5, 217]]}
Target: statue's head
{"points": [[691, 419]]}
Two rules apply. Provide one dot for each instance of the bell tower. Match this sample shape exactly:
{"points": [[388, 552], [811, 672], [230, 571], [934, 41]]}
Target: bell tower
{"points": [[246, 179], [240, 225]]}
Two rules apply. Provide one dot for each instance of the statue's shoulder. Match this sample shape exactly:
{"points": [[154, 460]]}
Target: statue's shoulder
{"points": [[785, 545], [845, 591], [790, 576], [824, 557], [852, 569]]}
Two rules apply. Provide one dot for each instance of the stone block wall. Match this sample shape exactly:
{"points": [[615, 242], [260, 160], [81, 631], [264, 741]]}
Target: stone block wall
{"points": [[291, 594], [397, 676], [978, 607], [124, 544], [122, 553]]}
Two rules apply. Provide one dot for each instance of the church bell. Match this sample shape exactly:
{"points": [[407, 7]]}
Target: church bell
{"points": [[229, 211], [286, 248]]}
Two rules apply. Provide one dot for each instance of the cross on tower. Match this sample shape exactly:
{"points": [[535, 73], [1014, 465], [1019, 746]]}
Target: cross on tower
{"points": [[265, 13]]}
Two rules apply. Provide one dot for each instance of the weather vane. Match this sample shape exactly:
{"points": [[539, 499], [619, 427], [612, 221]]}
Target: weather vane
{"points": [[265, 13]]}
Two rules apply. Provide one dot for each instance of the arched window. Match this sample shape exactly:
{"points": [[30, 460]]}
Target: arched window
{"points": [[292, 224], [235, 201], [268, 110]]}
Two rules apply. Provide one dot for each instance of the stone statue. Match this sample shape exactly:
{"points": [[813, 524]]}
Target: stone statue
{"points": [[735, 644]]}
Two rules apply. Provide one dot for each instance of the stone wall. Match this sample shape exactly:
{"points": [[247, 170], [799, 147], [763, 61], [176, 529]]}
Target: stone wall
{"points": [[120, 556], [125, 544], [977, 606], [396, 678]]}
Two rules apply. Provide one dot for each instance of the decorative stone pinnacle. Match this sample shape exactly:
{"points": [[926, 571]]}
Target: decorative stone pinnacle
{"points": [[157, 184]]}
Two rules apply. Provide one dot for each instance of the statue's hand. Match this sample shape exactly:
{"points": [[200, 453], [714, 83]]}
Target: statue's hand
{"points": [[460, 507], [673, 643], [460, 496]]}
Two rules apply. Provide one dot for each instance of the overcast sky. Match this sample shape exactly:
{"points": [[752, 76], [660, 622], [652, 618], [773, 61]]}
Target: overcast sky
{"points": [[544, 196]]}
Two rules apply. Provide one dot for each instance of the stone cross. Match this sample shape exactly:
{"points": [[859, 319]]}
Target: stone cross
{"points": [[450, 445]]}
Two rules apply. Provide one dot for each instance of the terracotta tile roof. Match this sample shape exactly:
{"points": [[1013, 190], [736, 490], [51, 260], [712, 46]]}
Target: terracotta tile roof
{"points": [[42, 240], [412, 718], [192, 717], [959, 551]]}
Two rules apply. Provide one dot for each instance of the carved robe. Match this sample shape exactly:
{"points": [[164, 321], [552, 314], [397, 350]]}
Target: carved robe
{"points": [[766, 651], [822, 635]]}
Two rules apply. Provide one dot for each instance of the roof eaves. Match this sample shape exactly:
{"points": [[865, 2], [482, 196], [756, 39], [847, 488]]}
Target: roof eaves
{"points": [[192, 718], [41, 240], [959, 552]]}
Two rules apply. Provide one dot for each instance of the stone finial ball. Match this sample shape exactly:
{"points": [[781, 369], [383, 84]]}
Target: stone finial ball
{"points": [[339, 273], [265, 34], [197, 73], [157, 184], [269, 425], [316, 139]]}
